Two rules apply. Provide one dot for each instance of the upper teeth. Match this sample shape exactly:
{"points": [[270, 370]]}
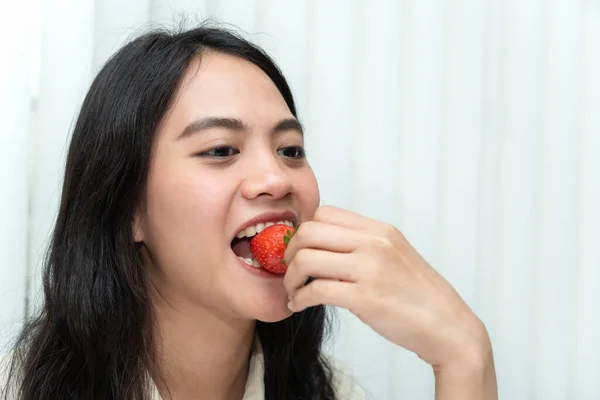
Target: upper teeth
{"points": [[253, 230]]}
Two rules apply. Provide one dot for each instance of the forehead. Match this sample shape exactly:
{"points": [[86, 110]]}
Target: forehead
{"points": [[223, 85]]}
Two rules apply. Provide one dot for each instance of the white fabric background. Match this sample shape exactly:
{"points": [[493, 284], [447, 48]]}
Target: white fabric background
{"points": [[472, 125]]}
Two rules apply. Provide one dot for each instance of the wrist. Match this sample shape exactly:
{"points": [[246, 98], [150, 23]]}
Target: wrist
{"points": [[473, 355], [466, 382], [472, 368], [470, 375]]}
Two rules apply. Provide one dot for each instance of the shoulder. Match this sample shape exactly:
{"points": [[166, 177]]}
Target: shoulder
{"points": [[346, 387], [5, 360], [5, 364]]}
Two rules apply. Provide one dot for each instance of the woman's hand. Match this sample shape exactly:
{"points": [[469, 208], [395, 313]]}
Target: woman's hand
{"points": [[369, 268]]}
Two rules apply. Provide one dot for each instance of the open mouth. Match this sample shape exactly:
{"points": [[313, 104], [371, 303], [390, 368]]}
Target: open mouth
{"points": [[241, 243], [241, 248]]}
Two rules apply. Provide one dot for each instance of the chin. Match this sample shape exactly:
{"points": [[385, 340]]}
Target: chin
{"points": [[274, 317], [269, 310]]}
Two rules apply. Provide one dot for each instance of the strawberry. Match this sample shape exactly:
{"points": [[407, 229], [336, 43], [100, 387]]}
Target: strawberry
{"points": [[268, 247]]}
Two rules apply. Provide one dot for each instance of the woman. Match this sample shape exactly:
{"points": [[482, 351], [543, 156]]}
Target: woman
{"points": [[185, 142]]}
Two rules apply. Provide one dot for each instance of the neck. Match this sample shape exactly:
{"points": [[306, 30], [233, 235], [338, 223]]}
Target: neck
{"points": [[200, 352]]}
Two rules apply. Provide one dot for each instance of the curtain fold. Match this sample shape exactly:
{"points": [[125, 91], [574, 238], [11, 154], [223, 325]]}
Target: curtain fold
{"points": [[15, 104]]}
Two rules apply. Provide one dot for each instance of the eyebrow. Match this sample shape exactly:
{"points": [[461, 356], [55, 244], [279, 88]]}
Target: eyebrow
{"points": [[233, 124]]}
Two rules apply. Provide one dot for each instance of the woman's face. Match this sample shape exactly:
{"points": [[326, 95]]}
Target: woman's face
{"points": [[228, 151]]}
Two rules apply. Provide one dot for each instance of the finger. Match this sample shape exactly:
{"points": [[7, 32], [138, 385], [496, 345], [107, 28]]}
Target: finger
{"points": [[371, 227], [324, 291], [319, 235], [345, 218], [320, 264]]}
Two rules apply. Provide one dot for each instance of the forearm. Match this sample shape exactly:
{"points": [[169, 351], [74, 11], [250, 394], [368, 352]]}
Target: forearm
{"points": [[467, 380]]}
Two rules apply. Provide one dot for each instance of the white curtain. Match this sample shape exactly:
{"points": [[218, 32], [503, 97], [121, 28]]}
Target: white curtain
{"points": [[472, 125]]}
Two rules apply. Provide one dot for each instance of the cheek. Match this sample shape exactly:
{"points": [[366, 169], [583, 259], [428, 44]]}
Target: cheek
{"points": [[184, 203], [185, 211], [308, 194]]}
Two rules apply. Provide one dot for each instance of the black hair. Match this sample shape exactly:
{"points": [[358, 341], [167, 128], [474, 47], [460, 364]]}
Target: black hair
{"points": [[92, 336]]}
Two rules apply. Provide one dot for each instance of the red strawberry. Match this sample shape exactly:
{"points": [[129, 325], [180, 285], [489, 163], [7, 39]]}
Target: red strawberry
{"points": [[268, 247]]}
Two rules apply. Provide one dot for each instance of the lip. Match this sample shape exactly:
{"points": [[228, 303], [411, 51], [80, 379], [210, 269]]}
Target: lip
{"points": [[268, 217]]}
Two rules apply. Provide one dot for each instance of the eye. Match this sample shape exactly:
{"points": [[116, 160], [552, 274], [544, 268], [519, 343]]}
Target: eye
{"points": [[220, 152], [296, 152]]}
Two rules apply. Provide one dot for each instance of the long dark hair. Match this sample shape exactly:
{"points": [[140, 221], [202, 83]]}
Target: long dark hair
{"points": [[92, 337]]}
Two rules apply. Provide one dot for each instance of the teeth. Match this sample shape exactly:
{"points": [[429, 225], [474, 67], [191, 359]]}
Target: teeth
{"points": [[253, 230], [250, 261], [250, 231]]}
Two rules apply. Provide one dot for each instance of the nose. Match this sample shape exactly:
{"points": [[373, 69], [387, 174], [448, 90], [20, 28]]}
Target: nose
{"points": [[265, 176]]}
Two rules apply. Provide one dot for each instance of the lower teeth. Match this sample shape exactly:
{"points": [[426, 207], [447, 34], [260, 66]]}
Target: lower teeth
{"points": [[251, 262]]}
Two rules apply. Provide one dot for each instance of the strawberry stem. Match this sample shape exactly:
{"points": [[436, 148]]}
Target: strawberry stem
{"points": [[289, 234]]}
